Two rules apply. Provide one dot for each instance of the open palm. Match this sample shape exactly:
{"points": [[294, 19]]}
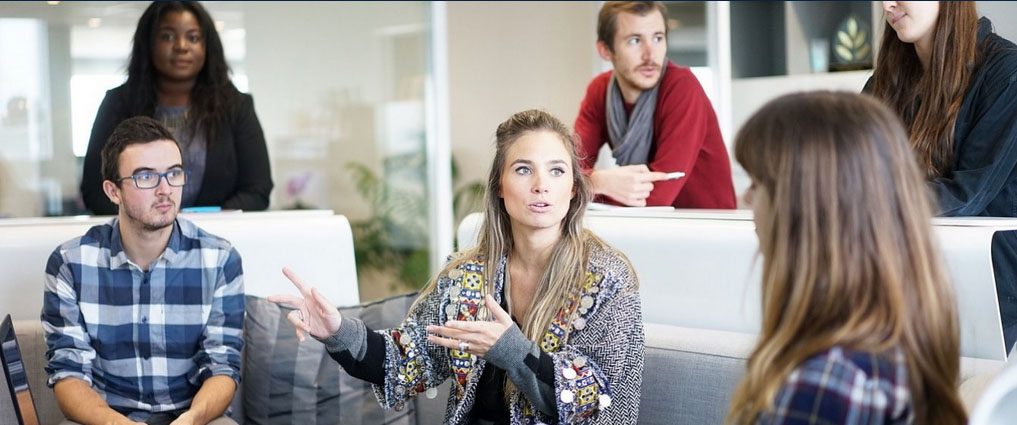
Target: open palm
{"points": [[312, 312]]}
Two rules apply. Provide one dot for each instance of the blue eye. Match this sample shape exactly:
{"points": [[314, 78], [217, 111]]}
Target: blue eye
{"points": [[557, 171], [523, 170], [633, 41], [147, 176]]}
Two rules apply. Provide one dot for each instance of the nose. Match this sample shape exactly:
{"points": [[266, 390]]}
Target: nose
{"points": [[164, 186], [889, 6], [180, 43], [647, 52], [539, 184]]}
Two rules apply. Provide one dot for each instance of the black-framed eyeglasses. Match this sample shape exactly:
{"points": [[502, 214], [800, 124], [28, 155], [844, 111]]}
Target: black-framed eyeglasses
{"points": [[150, 179]]}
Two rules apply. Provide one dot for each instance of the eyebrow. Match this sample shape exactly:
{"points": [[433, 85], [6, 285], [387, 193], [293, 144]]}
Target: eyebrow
{"points": [[635, 34], [528, 162], [144, 169]]}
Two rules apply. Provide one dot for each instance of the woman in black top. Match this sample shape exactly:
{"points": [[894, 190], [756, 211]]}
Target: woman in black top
{"points": [[952, 81], [178, 75]]}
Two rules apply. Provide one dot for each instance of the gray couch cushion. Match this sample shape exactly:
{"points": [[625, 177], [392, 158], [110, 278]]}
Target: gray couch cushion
{"points": [[290, 382], [690, 374]]}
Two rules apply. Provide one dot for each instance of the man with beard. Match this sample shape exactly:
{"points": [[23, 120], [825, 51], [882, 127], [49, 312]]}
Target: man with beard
{"points": [[143, 314], [654, 115]]}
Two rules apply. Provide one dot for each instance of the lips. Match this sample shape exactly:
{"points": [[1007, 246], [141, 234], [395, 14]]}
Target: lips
{"points": [[163, 206], [181, 63], [539, 206], [895, 19], [647, 70]]}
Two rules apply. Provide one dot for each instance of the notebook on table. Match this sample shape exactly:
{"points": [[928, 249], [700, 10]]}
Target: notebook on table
{"points": [[15, 375]]}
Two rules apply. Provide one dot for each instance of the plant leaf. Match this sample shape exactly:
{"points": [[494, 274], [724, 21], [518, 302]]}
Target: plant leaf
{"points": [[862, 52], [852, 26], [844, 53], [860, 38], [844, 40]]}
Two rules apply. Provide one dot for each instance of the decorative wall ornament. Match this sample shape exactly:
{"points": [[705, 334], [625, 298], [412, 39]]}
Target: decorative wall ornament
{"points": [[852, 46]]}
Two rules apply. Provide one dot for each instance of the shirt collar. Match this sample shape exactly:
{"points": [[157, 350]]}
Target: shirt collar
{"points": [[984, 29], [118, 257]]}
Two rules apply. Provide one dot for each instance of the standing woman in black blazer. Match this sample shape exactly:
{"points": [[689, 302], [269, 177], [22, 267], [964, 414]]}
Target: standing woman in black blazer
{"points": [[953, 82], [178, 75]]}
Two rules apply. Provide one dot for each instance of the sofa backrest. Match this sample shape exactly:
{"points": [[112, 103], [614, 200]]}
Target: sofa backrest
{"points": [[700, 269], [318, 245]]}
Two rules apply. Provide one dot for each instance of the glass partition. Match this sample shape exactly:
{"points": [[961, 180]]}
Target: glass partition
{"points": [[339, 89]]}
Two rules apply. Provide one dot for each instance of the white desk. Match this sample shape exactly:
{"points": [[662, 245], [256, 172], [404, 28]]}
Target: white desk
{"points": [[318, 245], [701, 269]]}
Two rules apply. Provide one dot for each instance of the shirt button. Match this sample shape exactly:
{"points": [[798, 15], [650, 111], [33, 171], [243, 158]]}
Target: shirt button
{"points": [[144, 319]]}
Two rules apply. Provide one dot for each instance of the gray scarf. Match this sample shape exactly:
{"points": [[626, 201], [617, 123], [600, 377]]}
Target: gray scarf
{"points": [[631, 137]]}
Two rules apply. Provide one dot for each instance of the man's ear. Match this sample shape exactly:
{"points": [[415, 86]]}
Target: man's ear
{"points": [[112, 191], [605, 51]]}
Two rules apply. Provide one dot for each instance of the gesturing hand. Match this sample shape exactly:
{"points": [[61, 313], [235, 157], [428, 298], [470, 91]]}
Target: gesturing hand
{"points": [[312, 312], [473, 337], [629, 185]]}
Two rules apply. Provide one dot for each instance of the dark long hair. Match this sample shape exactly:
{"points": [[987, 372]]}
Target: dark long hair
{"points": [[213, 94], [928, 101]]}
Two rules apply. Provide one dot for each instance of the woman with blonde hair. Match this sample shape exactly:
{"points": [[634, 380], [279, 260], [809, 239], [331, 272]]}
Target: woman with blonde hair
{"points": [[950, 79], [539, 323], [859, 321]]}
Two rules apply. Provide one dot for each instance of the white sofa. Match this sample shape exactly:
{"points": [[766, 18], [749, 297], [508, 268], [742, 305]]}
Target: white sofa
{"points": [[316, 243]]}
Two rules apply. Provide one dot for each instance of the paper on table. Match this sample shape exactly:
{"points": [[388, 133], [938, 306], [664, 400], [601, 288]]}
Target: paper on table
{"points": [[597, 206]]}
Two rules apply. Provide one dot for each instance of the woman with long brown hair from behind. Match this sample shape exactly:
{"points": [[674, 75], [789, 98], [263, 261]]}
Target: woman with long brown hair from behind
{"points": [[951, 80], [859, 321]]}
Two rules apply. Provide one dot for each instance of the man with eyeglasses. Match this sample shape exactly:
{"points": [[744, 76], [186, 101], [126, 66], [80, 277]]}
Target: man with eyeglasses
{"points": [[143, 314]]}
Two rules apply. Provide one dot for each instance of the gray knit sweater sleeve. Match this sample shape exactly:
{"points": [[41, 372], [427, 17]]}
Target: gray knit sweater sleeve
{"points": [[522, 359]]}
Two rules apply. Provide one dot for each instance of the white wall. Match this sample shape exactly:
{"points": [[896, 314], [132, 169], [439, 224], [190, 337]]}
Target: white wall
{"points": [[1003, 15], [505, 57], [321, 74]]}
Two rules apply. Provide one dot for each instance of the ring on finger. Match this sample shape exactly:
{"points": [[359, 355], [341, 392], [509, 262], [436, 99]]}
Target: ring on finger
{"points": [[463, 345]]}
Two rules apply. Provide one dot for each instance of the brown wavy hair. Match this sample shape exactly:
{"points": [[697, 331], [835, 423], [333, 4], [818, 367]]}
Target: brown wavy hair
{"points": [[848, 255], [928, 100]]}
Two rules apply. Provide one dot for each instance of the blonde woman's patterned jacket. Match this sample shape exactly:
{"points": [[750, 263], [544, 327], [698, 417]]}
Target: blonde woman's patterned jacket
{"points": [[598, 359]]}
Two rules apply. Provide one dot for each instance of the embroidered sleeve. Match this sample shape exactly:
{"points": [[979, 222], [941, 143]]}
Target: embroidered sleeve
{"points": [[598, 369], [412, 364]]}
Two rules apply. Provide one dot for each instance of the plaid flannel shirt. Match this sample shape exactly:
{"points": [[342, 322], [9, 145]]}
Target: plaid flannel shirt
{"points": [[145, 341], [840, 386]]}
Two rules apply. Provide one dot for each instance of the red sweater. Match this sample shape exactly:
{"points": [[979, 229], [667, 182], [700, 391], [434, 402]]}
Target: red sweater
{"points": [[686, 138]]}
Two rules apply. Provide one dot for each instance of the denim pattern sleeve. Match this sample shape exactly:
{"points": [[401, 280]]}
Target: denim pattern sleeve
{"points": [[69, 352], [222, 340]]}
